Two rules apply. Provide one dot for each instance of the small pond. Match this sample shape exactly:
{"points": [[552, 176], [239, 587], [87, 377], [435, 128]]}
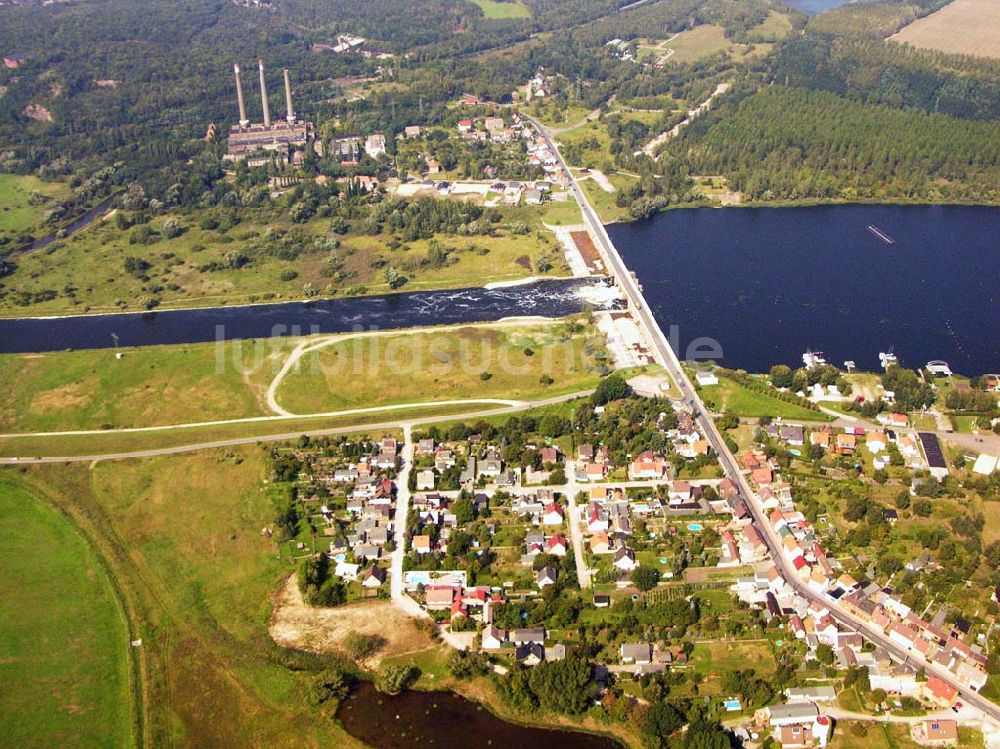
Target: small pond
{"points": [[444, 720]]}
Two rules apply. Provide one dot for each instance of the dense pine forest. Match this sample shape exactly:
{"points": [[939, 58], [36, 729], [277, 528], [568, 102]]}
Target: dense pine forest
{"points": [[788, 143]]}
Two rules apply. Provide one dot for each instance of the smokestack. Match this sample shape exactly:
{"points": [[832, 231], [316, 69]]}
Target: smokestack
{"points": [[239, 97], [289, 112], [263, 95]]}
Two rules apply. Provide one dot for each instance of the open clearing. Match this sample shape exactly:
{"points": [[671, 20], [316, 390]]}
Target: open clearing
{"points": [[16, 213], [502, 10], [65, 684], [445, 365], [148, 386], [322, 631], [966, 27]]}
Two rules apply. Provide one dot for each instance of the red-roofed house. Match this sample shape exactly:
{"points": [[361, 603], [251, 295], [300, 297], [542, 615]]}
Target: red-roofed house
{"points": [[940, 693], [646, 466]]}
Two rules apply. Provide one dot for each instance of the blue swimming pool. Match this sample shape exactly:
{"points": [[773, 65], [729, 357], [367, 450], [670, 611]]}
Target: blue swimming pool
{"points": [[695, 527]]}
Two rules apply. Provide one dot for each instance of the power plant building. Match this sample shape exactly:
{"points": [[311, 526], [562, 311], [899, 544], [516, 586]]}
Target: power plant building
{"points": [[258, 142]]}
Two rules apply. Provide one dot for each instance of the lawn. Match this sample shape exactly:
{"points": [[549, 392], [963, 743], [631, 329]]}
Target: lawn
{"points": [[17, 215], [445, 365], [66, 684], [730, 397], [563, 213], [183, 536], [502, 10], [85, 272]]}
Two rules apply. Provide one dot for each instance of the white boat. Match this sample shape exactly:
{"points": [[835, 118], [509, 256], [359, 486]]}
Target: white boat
{"points": [[881, 234], [887, 359], [813, 359]]}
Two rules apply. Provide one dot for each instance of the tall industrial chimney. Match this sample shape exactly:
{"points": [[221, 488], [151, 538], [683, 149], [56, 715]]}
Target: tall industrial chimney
{"points": [[239, 97], [289, 112], [263, 95]]}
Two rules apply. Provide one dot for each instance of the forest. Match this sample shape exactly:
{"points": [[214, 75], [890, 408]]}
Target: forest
{"points": [[878, 72], [789, 143]]}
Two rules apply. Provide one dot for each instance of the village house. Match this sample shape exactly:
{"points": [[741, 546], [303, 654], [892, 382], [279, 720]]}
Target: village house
{"points": [[553, 514], [646, 466], [936, 733], [373, 577], [625, 559], [545, 576], [639, 653], [493, 638]]}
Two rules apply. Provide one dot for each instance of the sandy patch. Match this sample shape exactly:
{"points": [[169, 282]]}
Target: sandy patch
{"points": [[38, 113], [316, 630], [73, 395]]}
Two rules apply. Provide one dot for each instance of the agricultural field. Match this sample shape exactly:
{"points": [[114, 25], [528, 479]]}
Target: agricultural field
{"points": [[85, 272], [963, 27], [183, 536], [502, 10], [72, 682], [17, 214]]}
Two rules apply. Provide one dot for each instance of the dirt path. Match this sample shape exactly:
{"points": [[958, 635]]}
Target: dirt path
{"points": [[650, 148]]}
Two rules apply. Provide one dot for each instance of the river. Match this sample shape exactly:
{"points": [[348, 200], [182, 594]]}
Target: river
{"points": [[444, 720], [770, 283], [546, 298]]}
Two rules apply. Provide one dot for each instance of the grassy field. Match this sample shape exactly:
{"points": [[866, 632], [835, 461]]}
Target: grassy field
{"points": [[730, 397], [696, 43], [148, 386], [565, 213], [502, 10], [183, 538], [603, 201], [776, 27], [712, 658], [190, 383], [446, 365], [85, 272], [16, 213], [66, 684], [963, 27]]}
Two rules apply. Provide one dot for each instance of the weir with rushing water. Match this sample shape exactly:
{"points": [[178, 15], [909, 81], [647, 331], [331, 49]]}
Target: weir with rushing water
{"points": [[546, 298]]}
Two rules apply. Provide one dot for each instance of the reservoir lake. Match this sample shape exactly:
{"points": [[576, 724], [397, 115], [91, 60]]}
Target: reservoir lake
{"points": [[768, 284]]}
